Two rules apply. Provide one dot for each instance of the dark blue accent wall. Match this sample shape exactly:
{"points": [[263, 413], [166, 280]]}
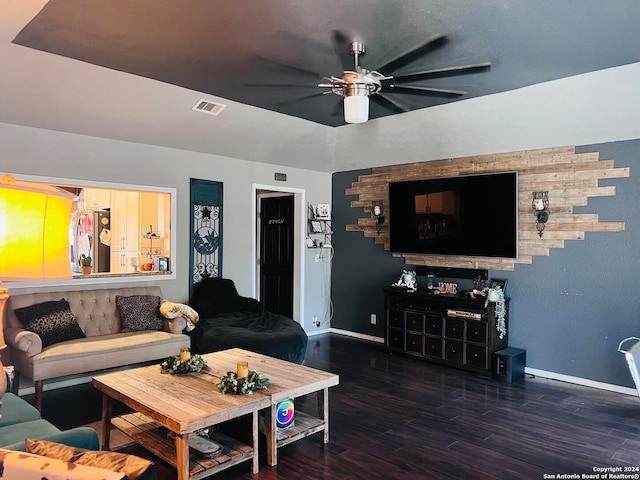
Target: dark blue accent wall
{"points": [[569, 310]]}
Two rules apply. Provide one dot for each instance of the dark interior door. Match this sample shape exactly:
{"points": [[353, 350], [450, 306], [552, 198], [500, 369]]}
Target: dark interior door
{"points": [[102, 241], [276, 254]]}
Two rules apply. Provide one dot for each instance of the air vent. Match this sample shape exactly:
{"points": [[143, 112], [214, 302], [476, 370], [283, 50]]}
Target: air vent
{"points": [[208, 107]]}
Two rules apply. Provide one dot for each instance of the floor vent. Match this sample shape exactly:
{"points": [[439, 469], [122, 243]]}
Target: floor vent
{"points": [[208, 107]]}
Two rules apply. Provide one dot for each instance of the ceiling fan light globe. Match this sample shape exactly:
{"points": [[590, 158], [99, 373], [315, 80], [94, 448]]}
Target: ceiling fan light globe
{"points": [[356, 109]]}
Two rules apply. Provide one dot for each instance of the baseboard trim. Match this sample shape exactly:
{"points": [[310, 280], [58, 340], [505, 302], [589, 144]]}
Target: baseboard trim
{"points": [[71, 380], [581, 381], [318, 332], [362, 336], [532, 371], [54, 385]]}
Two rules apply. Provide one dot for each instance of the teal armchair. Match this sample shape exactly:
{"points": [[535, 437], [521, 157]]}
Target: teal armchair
{"points": [[20, 420]]}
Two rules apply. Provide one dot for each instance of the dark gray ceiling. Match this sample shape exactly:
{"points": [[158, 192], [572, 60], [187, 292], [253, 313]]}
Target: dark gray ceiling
{"points": [[245, 50]]}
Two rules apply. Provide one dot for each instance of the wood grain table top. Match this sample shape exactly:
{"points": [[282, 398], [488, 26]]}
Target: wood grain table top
{"points": [[187, 402], [286, 379]]}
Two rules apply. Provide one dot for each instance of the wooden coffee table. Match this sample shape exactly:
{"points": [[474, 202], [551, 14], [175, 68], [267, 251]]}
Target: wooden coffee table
{"points": [[286, 381], [186, 403], [181, 404]]}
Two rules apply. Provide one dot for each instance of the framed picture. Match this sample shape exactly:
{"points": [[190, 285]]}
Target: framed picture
{"points": [[316, 227], [499, 282], [323, 210]]}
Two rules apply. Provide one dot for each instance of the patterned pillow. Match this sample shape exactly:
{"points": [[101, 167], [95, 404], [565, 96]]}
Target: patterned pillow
{"points": [[134, 467], [53, 321], [139, 312], [26, 466]]}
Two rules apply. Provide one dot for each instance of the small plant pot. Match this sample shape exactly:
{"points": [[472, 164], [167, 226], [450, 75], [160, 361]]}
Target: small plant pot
{"points": [[493, 296], [86, 269]]}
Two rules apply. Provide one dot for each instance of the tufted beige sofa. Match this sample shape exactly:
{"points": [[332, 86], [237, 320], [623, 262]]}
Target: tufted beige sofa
{"points": [[105, 346]]}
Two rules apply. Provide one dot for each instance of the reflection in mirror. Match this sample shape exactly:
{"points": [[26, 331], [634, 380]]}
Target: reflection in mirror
{"points": [[114, 231]]}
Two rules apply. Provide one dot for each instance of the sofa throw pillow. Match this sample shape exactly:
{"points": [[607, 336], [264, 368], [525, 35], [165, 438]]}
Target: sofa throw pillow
{"points": [[25, 466], [139, 312], [135, 468], [52, 321]]}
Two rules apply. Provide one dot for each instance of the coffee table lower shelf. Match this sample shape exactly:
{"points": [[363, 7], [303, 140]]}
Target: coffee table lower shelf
{"points": [[303, 426], [154, 437]]}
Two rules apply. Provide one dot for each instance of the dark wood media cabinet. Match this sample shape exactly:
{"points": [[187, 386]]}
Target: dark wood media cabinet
{"points": [[448, 329]]}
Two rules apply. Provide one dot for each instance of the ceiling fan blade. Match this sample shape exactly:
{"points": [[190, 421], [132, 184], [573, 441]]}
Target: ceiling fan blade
{"points": [[332, 82], [436, 92], [341, 43], [338, 110], [385, 101], [280, 85], [412, 54], [287, 67], [305, 97], [440, 73]]}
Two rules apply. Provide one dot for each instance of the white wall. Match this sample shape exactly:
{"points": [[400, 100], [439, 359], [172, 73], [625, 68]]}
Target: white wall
{"points": [[596, 107], [25, 150]]}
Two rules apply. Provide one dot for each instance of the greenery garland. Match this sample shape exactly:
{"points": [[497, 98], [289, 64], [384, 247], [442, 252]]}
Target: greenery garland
{"points": [[174, 365], [501, 325], [230, 383]]}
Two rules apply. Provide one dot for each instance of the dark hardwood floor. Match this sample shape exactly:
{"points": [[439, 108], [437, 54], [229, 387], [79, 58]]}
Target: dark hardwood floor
{"points": [[394, 417]]}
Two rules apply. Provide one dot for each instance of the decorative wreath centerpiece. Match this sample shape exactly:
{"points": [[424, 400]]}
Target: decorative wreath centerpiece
{"points": [[230, 383], [173, 364]]}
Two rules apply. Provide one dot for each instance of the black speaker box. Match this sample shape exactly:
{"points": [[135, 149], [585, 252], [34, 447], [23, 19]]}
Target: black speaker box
{"points": [[508, 364]]}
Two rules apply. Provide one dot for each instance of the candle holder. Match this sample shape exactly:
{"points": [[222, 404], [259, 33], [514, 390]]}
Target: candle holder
{"points": [[185, 354], [242, 370], [540, 205]]}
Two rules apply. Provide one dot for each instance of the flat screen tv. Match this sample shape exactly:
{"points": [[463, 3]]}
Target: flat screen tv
{"points": [[474, 215]]}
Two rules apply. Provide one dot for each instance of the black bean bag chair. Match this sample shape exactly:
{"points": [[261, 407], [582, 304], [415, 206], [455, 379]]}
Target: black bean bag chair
{"points": [[228, 320]]}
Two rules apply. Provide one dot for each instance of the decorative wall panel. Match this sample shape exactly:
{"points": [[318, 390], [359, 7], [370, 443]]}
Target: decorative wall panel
{"points": [[570, 179], [205, 258]]}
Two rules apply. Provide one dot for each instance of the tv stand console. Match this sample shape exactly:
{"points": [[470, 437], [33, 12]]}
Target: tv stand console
{"points": [[448, 329]]}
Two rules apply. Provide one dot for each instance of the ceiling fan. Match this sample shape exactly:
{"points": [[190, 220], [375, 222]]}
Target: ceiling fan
{"points": [[359, 85]]}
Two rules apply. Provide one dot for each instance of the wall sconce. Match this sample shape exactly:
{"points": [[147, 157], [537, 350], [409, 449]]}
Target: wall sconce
{"points": [[378, 213], [540, 204]]}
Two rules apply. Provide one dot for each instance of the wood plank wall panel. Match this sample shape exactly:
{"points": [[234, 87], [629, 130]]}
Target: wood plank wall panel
{"points": [[570, 178]]}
